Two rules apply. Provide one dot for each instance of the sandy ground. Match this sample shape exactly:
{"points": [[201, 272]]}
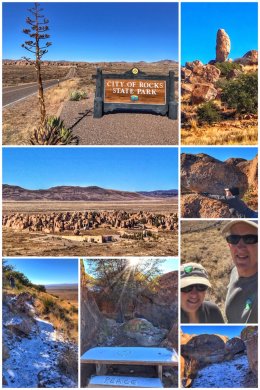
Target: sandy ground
{"points": [[38, 244], [119, 128]]}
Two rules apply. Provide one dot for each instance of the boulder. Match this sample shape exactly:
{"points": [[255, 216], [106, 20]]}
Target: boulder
{"points": [[250, 169], [250, 58], [222, 46], [145, 334], [250, 337], [19, 325], [205, 348], [197, 206], [203, 93], [235, 345], [22, 303], [203, 173]]}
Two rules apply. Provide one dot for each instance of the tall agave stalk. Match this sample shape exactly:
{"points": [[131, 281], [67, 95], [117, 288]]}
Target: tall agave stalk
{"points": [[37, 33]]}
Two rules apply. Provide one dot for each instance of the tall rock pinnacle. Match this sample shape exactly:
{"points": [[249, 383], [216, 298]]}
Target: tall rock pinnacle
{"points": [[223, 46]]}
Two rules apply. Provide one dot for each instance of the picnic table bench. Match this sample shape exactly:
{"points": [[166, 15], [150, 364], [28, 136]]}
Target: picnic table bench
{"points": [[141, 356]]}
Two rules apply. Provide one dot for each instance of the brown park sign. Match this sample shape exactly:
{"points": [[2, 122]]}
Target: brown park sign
{"points": [[135, 91]]}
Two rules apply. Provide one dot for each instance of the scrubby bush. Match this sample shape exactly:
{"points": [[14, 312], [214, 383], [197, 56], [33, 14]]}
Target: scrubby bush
{"points": [[226, 67], [78, 95], [208, 113], [242, 93], [53, 132]]}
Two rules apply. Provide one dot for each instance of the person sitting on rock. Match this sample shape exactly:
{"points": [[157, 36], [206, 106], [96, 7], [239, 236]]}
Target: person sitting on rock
{"points": [[241, 301], [237, 207], [194, 308]]}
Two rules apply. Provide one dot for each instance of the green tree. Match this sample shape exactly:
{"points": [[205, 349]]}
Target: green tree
{"points": [[121, 280], [37, 33], [242, 93]]}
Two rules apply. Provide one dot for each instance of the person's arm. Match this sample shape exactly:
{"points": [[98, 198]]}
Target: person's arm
{"points": [[217, 197]]}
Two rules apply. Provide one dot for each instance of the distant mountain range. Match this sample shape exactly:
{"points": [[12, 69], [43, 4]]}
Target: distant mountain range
{"points": [[75, 193], [86, 62], [66, 286]]}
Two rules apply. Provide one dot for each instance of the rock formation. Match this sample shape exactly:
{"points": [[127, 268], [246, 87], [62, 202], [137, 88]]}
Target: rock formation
{"points": [[203, 173], [144, 332], [82, 221], [222, 46], [250, 337], [205, 348]]}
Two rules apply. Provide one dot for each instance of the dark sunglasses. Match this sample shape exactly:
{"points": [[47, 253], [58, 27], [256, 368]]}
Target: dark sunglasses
{"points": [[198, 287], [248, 239]]}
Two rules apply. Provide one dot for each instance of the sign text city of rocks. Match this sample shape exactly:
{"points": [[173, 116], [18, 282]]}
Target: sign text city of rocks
{"points": [[135, 91]]}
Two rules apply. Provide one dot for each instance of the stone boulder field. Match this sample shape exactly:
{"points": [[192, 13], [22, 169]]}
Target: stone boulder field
{"points": [[200, 352], [218, 106], [201, 173]]}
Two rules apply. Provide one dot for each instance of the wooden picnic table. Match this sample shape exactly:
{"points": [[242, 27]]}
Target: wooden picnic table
{"points": [[143, 356]]}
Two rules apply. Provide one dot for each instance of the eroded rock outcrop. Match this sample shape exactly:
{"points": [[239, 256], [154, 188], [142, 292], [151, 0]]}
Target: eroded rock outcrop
{"points": [[205, 348], [223, 46], [144, 332], [203, 173], [250, 337]]}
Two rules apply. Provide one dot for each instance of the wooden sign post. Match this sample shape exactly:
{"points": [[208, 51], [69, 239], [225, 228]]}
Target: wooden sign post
{"points": [[135, 91]]}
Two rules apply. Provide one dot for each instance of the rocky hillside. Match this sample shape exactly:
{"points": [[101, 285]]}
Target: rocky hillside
{"points": [[203, 173], [219, 98], [207, 350], [75, 193], [35, 354]]}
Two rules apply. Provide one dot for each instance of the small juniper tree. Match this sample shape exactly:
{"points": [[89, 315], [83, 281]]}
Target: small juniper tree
{"points": [[37, 33]]}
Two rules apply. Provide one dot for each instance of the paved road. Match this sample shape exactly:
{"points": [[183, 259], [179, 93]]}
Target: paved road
{"points": [[16, 93]]}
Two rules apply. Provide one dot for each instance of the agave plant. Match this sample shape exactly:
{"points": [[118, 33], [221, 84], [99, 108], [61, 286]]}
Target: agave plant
{"points": [[53, 132]]}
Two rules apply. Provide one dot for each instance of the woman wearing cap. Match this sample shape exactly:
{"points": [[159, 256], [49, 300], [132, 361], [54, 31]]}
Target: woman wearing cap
{"points": [[194, 308]]}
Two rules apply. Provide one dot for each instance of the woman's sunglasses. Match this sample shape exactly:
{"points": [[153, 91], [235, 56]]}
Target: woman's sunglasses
{"points": [[198, 287], [248, 239]]}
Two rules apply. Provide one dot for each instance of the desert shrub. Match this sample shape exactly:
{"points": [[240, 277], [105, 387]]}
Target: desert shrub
{"points": [[242, 93], [208, 113], [78, 95], [68, 362], [53, 132], [49, 305], [226, 67]]}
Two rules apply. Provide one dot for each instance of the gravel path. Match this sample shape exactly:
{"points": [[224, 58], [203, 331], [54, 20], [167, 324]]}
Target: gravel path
{"points": [[118, 129]]}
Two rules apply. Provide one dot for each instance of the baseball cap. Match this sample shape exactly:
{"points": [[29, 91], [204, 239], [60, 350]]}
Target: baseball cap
{"points": [[229, 225], [194, 273]]}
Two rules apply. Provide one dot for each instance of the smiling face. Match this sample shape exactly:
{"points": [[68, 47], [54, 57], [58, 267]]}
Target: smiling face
{"points": [[191, 301], [244, 255]]}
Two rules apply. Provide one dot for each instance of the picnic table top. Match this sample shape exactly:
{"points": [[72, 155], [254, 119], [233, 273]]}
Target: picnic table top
{"points": [[131, 355]]}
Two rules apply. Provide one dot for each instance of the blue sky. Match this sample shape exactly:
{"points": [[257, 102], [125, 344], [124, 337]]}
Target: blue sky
{"points": [[98, 31], [226, 330], [169, 264], [201, 21], [223, 153], [47, 271], [126, 169]]}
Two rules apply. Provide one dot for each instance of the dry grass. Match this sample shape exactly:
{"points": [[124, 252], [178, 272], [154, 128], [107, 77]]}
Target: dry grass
{"points": [[20, 119], [236, 132], [202, 242], [156, 206], [61, 313]]}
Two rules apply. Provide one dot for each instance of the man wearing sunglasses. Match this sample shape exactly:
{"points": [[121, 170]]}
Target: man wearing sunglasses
{"points": [[194, 308], [241, 301]]}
